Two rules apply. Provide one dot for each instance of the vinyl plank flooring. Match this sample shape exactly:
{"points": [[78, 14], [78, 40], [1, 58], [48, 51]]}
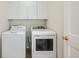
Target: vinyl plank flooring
{"points": [[28, 53]]}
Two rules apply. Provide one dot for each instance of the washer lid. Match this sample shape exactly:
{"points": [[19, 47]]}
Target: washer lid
{"points": [[18, 28], [10, 32]]}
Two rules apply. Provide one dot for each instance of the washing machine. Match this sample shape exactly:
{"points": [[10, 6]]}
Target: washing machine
{"points": [[43, 42], [14, 42]]}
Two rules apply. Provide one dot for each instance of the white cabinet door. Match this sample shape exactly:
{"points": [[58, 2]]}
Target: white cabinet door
{"points": [[12, 10], [32, 10], [23, 10], [42, 10], [27, 10], [18, 10]]}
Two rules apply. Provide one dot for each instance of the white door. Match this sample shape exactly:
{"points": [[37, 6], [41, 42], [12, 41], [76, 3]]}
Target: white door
{"points": [[71, 29]]}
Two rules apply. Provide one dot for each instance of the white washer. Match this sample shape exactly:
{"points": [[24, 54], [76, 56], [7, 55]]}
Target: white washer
{"points": [[13, 43], [43, 43]]}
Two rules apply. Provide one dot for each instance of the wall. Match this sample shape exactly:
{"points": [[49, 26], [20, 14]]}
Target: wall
{"points": [[28, 23], [56, 23], [3, 19]]}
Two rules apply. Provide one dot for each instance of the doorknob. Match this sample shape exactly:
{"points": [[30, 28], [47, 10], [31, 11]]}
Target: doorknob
{"points": [[65, 37]]}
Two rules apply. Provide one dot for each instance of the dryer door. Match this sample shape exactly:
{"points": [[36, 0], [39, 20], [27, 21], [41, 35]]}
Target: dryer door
{"points": [[44, 46]]}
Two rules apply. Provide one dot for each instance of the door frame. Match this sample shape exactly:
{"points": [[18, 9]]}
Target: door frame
{"points": [[67, 27]]}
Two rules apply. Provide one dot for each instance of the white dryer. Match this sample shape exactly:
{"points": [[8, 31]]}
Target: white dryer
{"points": [[43, 43], [13, 42]]}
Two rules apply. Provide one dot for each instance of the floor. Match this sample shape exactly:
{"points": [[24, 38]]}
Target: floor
{"points": [[28, 53]]}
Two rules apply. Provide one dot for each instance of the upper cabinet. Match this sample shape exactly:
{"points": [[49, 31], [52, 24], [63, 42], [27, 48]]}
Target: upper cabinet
{"points": [[27, 10], [13, 10], [23, 10], [42, 10], [32, 10]]}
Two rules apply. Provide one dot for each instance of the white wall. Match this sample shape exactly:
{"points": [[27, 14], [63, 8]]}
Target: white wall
{"points": [[28, 23], [56, 23], [3, 16], [3, 19]]}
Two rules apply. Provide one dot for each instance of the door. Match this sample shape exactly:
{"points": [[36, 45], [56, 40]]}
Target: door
{"points": [[71, 30]]}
